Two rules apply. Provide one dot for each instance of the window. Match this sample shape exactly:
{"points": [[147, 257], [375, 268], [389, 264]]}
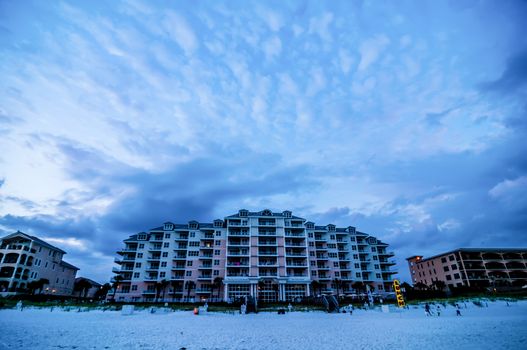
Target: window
{"points": [[353, 247], [136, 274], [355, 256], [188, 273], [376, 267], [165, 254], [311, 253], [193, 244], [162, 274], [53, 267], [337, 274], [352, 239], [443, 260], [310, 234], [311, 244], [216, 262], [138, 265], [163, 264], [332, 246], [217, 252], [454, 267], [193, 234], [141, 246], [358, 274], [140, 255], [193, 253], [378, 275], [216, 272], [451, 258], [189, 263], [141, 237], [313, 263], [357, 266], [46, 264], [166, 244], [134, 287], [313, 273], [445, 268], [456, 276], [57, 280], [167, 235], [335, 264], [375, 257], [332, 237], [373, 249], [332, 255], [218, 242], [448, 278]]}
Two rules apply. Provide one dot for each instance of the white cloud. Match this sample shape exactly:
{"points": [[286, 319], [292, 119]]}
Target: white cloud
{"points": [[320, 25], [370, 50], [272, 48], [449, 225], [180, 31], [345, 61], [273, 19]]}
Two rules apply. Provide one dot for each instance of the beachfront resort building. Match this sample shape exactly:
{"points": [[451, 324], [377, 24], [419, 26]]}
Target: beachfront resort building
{"points": [[267, 255], [25, 259], [472, 267]]}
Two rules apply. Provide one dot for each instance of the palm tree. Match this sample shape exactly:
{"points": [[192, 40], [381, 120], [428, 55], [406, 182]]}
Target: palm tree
{"points": [[218, 282], [161, 287], [439, 285], [315, 285], [189, 285], [116, 282], [82, 286], [338, 284], [101, 292], [421, 286], [358, 286], [175, 286]]}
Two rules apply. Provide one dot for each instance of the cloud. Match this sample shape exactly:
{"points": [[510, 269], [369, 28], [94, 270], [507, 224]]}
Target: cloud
{"points": [[180, 31], [370, 49], [513, 78], [272, 48], [321, 25]]}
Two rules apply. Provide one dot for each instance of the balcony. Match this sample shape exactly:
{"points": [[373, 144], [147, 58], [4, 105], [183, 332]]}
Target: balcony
{"points": [[180, 257], [204, 277]]}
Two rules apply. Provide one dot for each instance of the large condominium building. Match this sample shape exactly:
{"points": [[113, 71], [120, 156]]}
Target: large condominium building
{"points": [[472, 267], [25, 258], [267, 255]]}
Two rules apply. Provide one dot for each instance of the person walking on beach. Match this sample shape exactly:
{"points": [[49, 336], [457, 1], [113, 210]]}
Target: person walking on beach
{"points": [[427, 310], [458, 310], [438, 310]]}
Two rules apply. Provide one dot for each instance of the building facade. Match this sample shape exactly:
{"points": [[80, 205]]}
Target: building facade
{"points": [[25, 258], [270, 256], [472, 267], [85, 288]]}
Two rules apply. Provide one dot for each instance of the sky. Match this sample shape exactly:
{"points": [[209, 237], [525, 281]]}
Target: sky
{"points": [[405, 119]]}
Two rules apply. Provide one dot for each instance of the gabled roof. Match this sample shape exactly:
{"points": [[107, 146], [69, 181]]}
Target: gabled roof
{"points": [[68, 265], [34, 239], [92, 282]]}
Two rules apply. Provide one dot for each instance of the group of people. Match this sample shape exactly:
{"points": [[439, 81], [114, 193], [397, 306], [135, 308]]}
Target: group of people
{"points": [[428, 310]]}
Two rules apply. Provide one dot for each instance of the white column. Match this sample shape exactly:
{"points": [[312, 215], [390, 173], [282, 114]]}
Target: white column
{"points": [[308, 292], [225, 291]]}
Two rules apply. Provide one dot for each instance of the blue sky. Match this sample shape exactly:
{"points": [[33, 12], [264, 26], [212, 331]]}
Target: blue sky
{"points": [[406, 119]]}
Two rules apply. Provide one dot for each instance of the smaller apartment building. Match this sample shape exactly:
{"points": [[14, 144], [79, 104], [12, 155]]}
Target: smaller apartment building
{"points": [[472, 267], [25, 258]]}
